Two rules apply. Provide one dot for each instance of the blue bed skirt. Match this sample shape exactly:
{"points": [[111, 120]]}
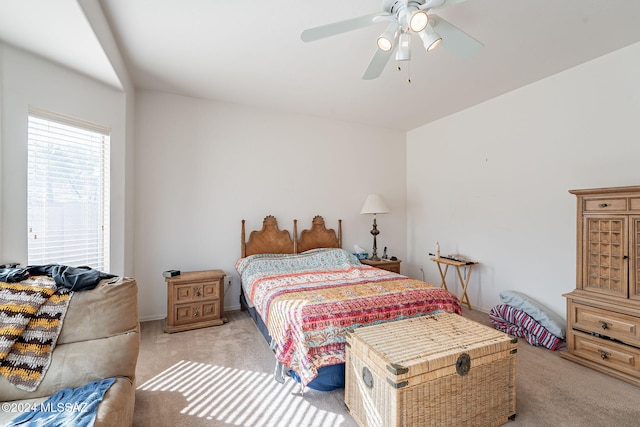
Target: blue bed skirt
{"points": [[329, 377]]}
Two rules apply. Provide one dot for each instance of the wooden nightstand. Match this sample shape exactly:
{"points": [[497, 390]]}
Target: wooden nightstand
{"points": [[195, 300], [385, 264]]}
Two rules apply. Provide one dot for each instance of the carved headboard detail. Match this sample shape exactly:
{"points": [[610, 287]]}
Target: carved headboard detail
{"points": [[319, 236], [270, 239]]}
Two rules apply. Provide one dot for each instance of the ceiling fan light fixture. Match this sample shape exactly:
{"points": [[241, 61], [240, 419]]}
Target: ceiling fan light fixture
{"points": [[404, 47], [419, 20], [430, 39], [388, 38]]}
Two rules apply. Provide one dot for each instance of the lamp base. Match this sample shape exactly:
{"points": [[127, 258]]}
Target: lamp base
{"points": [[375, 232]]}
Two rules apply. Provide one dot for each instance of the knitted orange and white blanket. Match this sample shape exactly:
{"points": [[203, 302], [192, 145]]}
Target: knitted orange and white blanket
{"points": [[31, 315]]}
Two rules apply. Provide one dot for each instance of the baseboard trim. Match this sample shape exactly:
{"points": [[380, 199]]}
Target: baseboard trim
{"points": [[154, 317], [164, 315]]}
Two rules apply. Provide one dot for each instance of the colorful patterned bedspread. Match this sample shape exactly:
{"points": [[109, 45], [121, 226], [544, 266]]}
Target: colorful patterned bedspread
{"points": [[309, 301]]}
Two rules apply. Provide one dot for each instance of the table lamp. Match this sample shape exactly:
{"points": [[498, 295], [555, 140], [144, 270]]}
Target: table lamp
{"points": [[374, 205]]}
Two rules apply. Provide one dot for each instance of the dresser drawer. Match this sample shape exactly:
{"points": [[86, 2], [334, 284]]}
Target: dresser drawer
{"points": [[634, 204], [618, 326], [195, 291], [608, 353], [604, 205]]}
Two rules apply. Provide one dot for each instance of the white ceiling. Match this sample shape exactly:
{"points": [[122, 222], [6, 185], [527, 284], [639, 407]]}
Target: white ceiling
{"points": [[249, 52]]}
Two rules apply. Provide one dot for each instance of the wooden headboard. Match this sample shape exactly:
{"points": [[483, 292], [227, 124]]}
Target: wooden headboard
{"points": [[270, 239], [318, 236]]}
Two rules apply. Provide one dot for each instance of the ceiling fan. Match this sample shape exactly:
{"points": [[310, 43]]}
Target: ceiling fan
{"points": [[404, 17]]}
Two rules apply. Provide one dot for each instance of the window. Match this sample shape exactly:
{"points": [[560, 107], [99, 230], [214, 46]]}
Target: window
{"points": [[67, 191]]}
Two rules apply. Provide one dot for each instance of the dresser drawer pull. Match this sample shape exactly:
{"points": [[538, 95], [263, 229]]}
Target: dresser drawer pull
{"points": [[604, 325], [604, 354], [604, 205]]}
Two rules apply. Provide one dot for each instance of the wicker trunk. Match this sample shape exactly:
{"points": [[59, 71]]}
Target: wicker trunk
{"points": [[434, 370]]}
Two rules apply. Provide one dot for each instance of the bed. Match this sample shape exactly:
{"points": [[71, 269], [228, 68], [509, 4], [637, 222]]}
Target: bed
{"points": [[305, 293]]}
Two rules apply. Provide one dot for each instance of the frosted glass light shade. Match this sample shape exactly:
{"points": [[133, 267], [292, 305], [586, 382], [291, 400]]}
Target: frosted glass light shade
{"points": [[384, 43], [418, 21]]}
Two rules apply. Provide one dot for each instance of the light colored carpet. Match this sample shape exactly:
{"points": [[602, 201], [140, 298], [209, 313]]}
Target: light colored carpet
{"points": [[223, 376]]}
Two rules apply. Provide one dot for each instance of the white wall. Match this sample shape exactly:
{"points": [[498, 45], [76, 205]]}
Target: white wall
{"points": [[2, 258], [492, 182], [124, 208], [203, 166], [31, 80]]}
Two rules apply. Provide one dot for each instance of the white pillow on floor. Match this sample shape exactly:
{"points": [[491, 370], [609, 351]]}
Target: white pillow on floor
{"points": [[545, 316]]}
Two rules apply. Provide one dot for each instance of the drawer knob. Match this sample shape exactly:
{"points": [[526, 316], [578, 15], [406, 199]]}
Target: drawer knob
{"points": [[604, 325], [604, 354], [197, 292], [604, 205]]}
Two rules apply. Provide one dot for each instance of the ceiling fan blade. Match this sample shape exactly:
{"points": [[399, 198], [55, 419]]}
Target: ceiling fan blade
{"points": [[377, 64], [454, 39], [323, 31], [438, 4]]}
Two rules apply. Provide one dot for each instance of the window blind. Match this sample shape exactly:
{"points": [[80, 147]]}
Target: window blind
{"points": [[67, 191]]}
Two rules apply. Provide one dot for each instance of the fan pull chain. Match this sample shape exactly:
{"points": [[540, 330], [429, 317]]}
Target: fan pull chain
{"points": [[399, 68]]}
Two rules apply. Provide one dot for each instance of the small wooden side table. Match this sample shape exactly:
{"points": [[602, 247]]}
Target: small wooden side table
{"points": [[385, 264], [195, 299], [464, 281]]}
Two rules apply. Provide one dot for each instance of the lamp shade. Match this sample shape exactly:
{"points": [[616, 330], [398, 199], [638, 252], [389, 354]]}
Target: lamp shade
{"points": [[374, 205]]}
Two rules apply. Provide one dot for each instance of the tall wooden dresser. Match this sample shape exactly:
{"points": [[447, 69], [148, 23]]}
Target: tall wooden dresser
{"points": [[603, 312], [195, 300]]}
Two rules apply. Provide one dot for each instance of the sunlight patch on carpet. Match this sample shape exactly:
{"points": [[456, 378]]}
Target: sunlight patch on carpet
{"points": [[240, 397]]}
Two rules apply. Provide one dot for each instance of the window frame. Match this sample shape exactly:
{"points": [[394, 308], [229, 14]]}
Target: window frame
{"points": [[90, 209]]}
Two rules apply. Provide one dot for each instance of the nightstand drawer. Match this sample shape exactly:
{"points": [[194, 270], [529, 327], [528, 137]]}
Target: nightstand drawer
{"points": [[195, 291], [196, 312], [385, 264], [614, 325]]}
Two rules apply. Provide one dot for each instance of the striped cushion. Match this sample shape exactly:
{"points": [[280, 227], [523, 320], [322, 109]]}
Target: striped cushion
{"points": [[518, 323]]}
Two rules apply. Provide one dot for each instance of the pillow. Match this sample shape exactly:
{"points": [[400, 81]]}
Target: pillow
{"points": [[321, 259], [543, 315]]}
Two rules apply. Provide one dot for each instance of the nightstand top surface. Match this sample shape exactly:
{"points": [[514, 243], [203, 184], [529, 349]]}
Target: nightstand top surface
{"points": [[197, 275]]}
